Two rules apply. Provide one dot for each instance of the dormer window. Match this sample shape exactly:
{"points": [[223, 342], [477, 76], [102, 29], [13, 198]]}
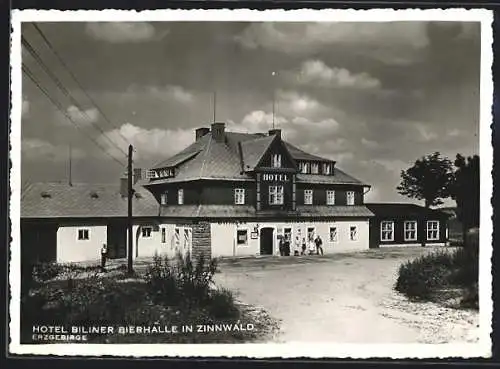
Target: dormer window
{"points": [[314, 168], [276, 161], [350, 197], [304, 167], [327, 168]]}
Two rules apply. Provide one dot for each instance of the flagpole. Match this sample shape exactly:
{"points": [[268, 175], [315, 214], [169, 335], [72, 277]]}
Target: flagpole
{"points": [[274, 96]]}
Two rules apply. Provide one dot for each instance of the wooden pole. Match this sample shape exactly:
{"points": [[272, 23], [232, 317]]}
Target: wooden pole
{"points": [[129, 217]]}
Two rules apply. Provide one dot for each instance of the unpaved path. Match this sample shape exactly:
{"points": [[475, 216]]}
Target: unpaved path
{"points": [[344, 298]]}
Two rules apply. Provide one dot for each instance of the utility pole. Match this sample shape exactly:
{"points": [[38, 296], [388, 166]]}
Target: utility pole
{"points": [[129, 218]]}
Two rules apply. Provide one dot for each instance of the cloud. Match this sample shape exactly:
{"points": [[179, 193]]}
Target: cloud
{"points": [[292, 103], [369, 143], [167, 93], [34, 149], [425, 134], [82, 117], [149, 144], [120, 32], [390, 42], [25, 108], [317, 73]]}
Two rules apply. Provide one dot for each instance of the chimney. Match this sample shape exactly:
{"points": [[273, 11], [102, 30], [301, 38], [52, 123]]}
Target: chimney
{"points": [[124, 186], [218, 132], [137, 175], [276, 132], [200, 132]]}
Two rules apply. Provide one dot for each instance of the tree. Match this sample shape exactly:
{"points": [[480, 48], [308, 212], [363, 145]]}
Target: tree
{"points": [[464, 189], [428, 179]]}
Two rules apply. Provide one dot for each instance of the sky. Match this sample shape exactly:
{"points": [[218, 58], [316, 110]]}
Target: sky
{"points": [[374, 97]]}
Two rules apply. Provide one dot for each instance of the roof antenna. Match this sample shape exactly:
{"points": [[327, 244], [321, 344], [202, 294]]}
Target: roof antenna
{"points": [[274, 96], [215, 105], [70, 180]]}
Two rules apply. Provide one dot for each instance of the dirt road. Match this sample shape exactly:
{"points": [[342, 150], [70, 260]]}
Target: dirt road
{"points": [[344, 298]]}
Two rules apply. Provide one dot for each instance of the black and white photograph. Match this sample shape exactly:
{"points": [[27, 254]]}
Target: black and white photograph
{"points": [[251, 183]]}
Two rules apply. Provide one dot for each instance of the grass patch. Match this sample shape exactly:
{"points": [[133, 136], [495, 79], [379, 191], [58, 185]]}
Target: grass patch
{"points": [[443, 275], [173, 293]]}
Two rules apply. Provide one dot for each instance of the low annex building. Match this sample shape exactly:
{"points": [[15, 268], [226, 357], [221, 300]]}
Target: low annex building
{"points": [[407, 225], [241, 191], [70, 223]]}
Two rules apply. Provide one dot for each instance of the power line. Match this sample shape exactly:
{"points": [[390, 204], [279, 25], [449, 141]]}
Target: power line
{"points": [[58, 83], [51, 47], [58, 106]]}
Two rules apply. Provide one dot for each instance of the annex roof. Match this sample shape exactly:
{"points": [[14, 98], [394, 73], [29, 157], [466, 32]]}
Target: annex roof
{"points": [[83, 200], [401, 210]]}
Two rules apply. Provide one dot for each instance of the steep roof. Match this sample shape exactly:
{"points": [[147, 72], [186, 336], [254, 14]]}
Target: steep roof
{"points": [[232, 158], [403, 210], [83, 200]]}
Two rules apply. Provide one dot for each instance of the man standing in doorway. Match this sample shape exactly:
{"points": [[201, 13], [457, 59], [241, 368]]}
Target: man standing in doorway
{"points": [[319, 242]]}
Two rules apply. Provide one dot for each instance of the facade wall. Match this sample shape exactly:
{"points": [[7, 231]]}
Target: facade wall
{"points": [[165, 239], [319, 193], [71, 249], [224, 236]]}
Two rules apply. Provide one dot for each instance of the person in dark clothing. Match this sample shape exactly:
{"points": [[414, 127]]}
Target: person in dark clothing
{"points": [[287, 246], [319, 242], [304, 246], [282, 247]]}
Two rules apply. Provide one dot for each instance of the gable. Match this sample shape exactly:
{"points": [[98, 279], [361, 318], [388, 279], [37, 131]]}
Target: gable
{"points": [[277, 147]]}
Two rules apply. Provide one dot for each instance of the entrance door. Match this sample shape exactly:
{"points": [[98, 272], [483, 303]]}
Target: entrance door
{"points": [[266, 241], [117, 241]]}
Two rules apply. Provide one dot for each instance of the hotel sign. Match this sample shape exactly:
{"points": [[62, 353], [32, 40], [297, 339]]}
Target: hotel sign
{"points": [[273, 177]]}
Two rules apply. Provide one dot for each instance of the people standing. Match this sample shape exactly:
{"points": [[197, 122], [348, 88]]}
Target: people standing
{"points": [[319, 242], [312, 246], [304, 246], [287, 246], [296, 250], [282, 246], [104, 255]]}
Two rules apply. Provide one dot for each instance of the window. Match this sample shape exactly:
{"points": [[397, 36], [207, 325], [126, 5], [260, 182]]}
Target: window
{"points": [[304, 167], [350, 197], [239, 196], [386, 231], [308, 197], [333, 234], [146, 232], [353, 233], [275, 195], [164, 198], [180, 196], [163, 235], [276, 161], [432, 230], [187, 238], [288, 233], [314, 168], [310, 233], [411, 230], [177, 237], [330, 197], [242, 237], [83, 234], [327, 169]]}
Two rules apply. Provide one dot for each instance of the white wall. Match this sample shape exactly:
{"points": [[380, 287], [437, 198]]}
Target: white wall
{"points": [[70, 249], [224, 236], [148, 246]]}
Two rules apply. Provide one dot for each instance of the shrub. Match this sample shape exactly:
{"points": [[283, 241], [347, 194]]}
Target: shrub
{"points": [[221, 304], [45, 271], [180, 281]]}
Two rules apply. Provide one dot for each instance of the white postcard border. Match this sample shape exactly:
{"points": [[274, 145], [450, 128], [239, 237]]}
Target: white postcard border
{"points": [[266, 350]]}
